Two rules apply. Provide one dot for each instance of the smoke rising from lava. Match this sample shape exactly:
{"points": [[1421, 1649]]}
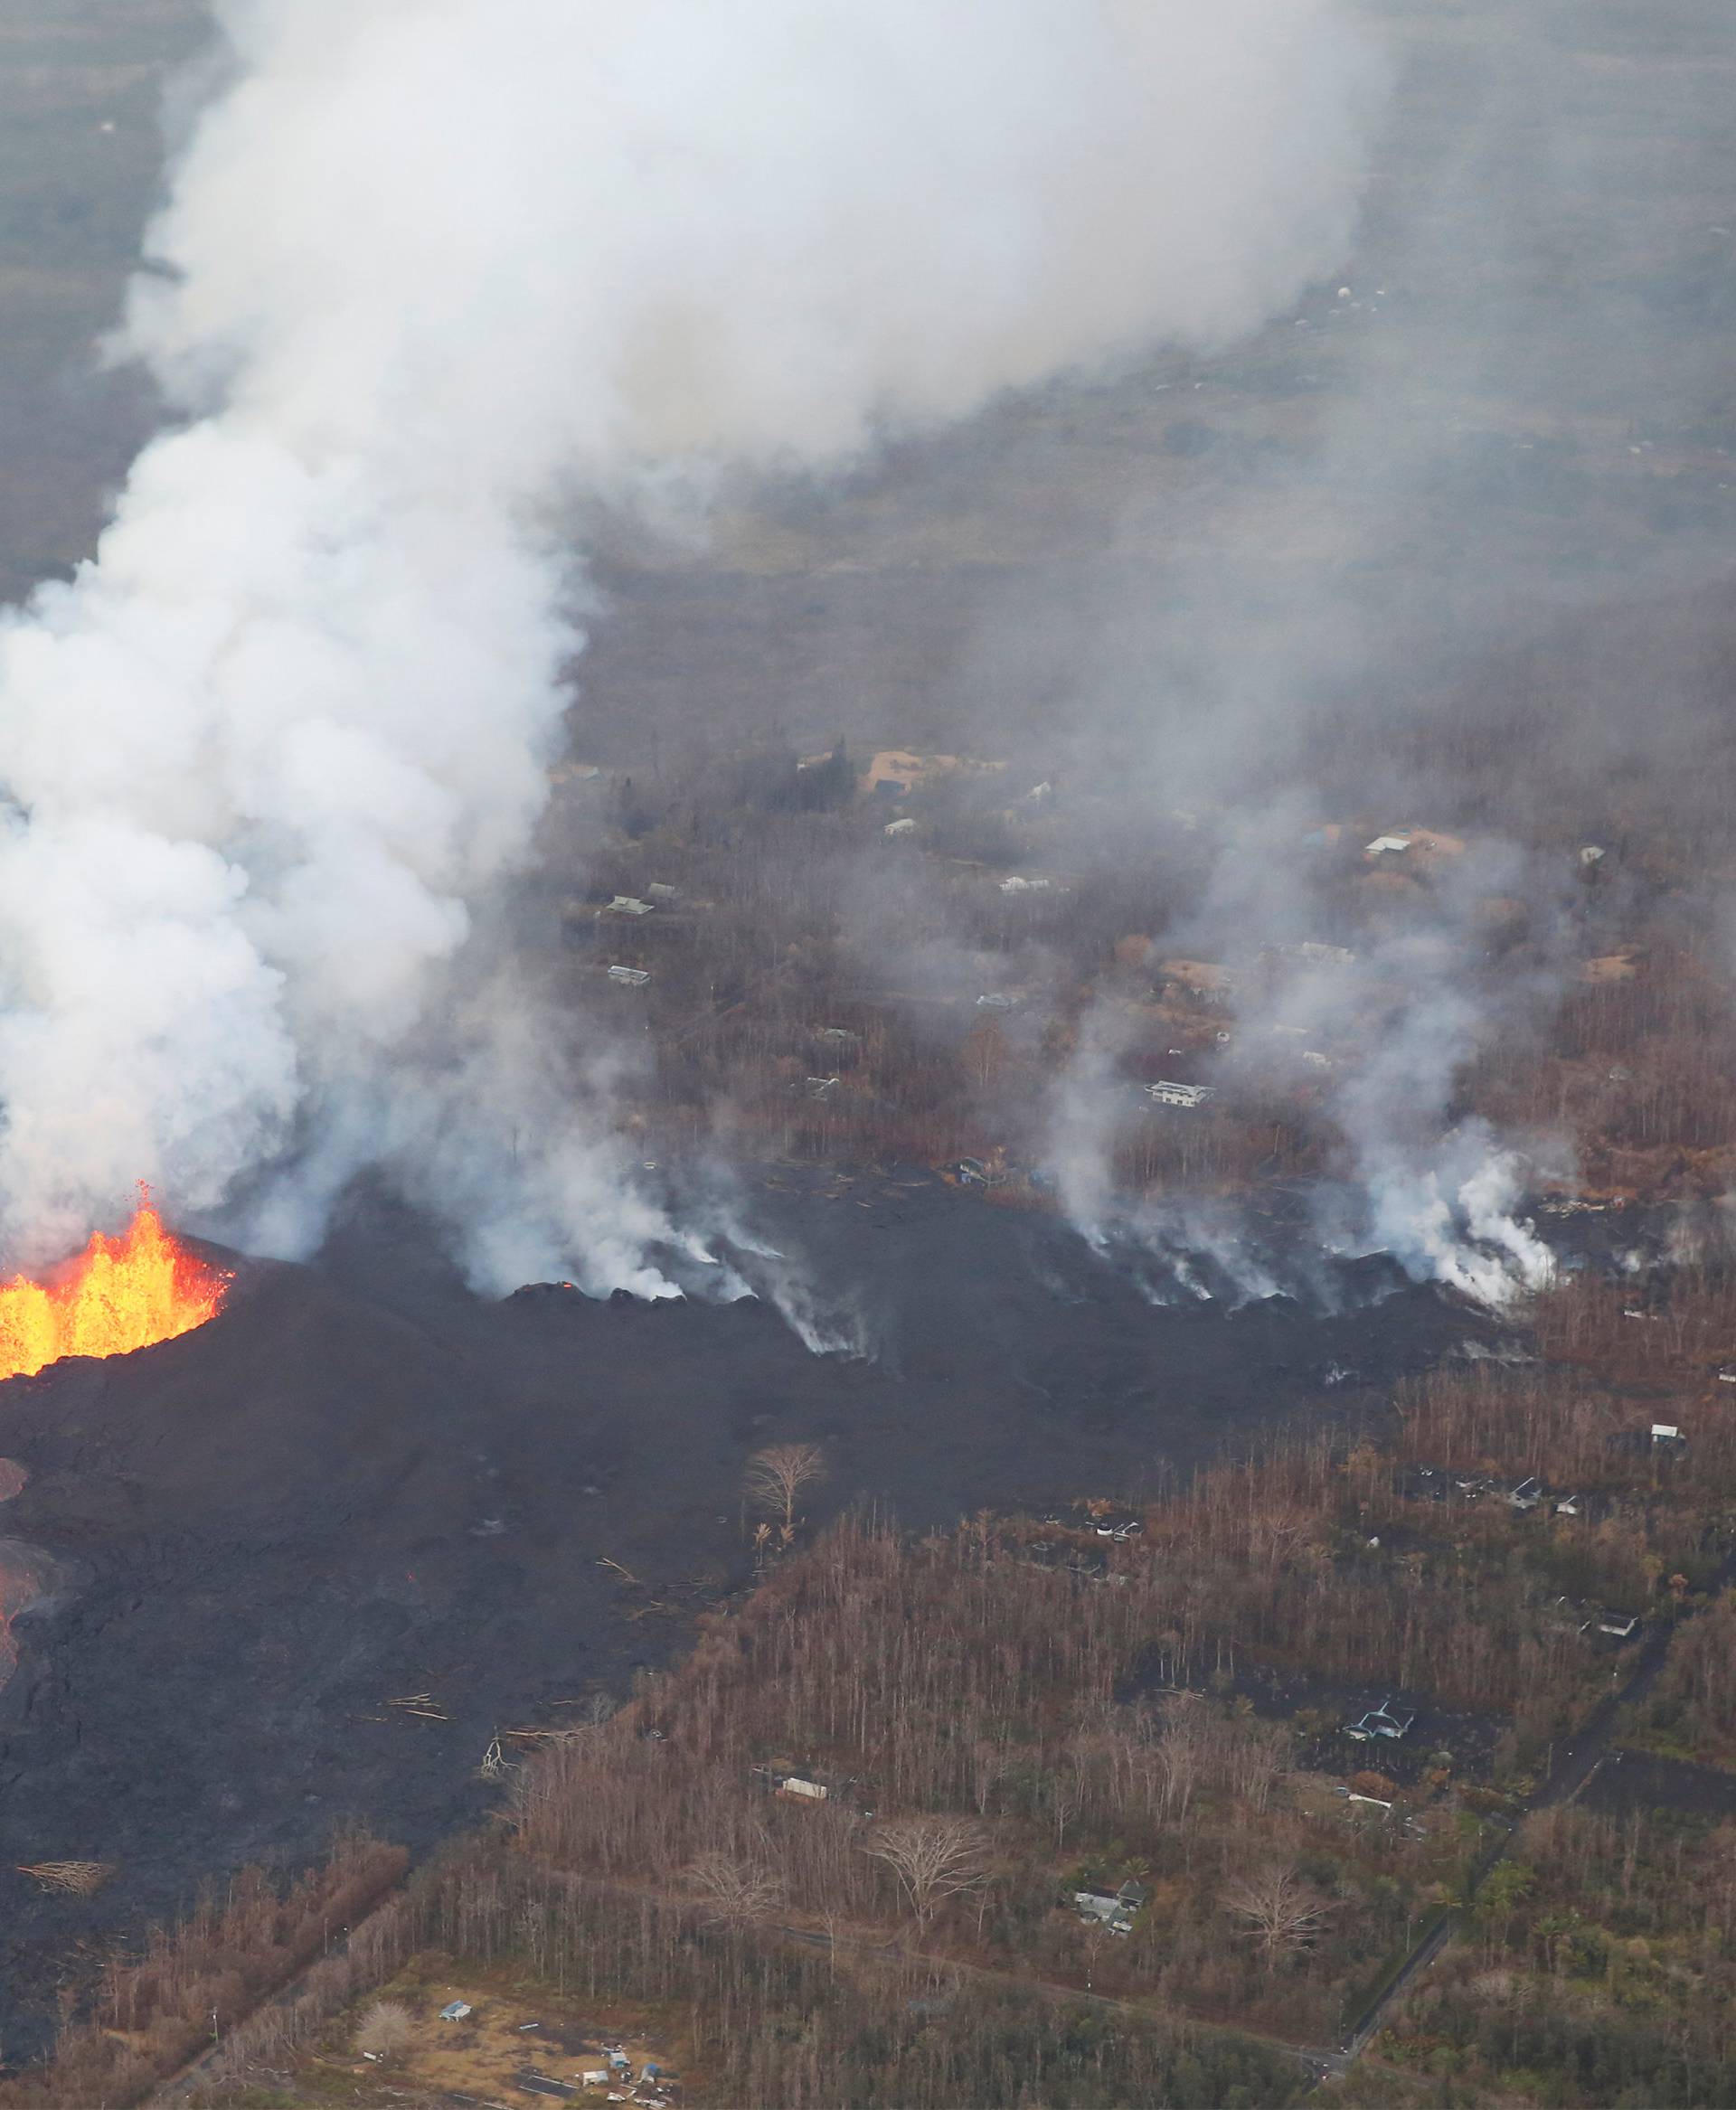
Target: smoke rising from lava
{"points": [[427, 273]]}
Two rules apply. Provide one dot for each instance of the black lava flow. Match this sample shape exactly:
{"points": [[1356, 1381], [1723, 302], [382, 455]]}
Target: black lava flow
{"points": [[361, 1483]]}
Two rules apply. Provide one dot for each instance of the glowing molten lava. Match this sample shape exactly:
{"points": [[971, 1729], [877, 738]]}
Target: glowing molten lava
{"points": [[120, 1294]]}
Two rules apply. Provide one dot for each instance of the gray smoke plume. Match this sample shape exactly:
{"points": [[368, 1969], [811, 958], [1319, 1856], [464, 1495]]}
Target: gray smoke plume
{"points": [[428, 270], [1503, 417]]}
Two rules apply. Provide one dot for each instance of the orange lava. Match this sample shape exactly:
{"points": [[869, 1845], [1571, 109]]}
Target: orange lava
{"points": [[120, 1294]]}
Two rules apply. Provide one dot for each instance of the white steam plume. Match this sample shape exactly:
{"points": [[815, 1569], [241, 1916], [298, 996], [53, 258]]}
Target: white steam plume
{"points": [[1405, 1017], [428, 268]]}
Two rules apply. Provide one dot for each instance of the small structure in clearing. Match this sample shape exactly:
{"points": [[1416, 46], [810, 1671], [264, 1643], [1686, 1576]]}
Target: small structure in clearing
{"points": [[1115, 1909], [895, 772], [1389, 1721], [1167, 1093]]}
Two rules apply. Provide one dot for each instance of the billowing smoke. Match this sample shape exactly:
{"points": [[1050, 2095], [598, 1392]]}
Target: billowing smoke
{"points": [[1489, 412], [1402, 1016], [429, 271]]}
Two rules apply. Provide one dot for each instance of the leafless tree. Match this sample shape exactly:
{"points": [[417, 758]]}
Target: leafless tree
{"points": [[777, 1478], [739, 1892], [933, 1858], [385, 2030], [1282, 1912]]}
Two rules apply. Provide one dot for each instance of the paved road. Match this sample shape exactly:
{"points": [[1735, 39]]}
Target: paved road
{"points": [[1573, 1766]]}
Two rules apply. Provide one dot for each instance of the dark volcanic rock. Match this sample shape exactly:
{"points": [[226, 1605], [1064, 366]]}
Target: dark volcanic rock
{"points": [[361, 1483]]}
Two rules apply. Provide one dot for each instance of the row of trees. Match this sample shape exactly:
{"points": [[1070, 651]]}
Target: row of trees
{"points": [[991, 1712], [153, 2012]]}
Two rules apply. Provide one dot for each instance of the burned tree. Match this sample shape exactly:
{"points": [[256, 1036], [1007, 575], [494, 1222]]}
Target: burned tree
{"points": [[386, 2029], [738, 1892], [934, 1859], [778, 1477], [1280, 1910]]}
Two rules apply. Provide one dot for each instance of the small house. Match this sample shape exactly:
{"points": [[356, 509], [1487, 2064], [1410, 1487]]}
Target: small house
{"points": [[1387, 846], [1526, 1494], [1096, 1904], [1167, 1093], [455, 2010], [595, 2076], [1618, 1625], [903, 827], [1667, 1436], [1388, 1722], [625, 905], [1115, 1909], [630, 978]]}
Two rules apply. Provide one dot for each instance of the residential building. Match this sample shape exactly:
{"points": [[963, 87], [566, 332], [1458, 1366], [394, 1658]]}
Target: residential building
{"points": [[1168, 1094]]}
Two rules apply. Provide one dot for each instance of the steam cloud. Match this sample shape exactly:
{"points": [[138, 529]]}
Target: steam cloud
{"points": [[430, 269]]}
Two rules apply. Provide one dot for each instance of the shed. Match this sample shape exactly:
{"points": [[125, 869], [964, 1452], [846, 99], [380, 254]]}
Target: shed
{"points": [[455, 2010], [903, 827]]}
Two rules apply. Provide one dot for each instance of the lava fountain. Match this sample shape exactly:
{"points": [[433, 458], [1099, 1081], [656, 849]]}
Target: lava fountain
{"points": [[120, 1293]]}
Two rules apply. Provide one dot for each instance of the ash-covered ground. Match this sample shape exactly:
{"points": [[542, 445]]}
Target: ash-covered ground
{"points": [[360, 1484]]}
